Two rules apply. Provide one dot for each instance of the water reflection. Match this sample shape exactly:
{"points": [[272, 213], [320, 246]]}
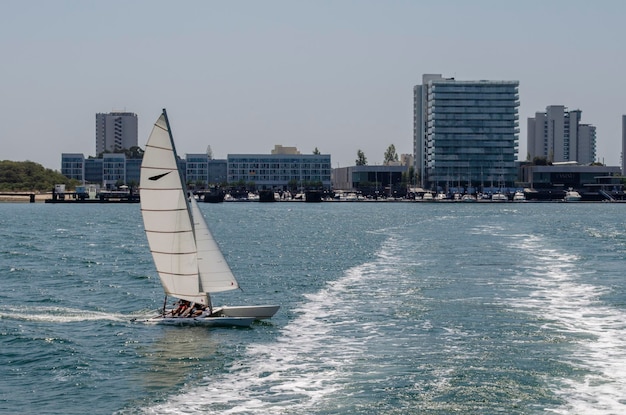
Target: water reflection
{"points": [[179, 356]]}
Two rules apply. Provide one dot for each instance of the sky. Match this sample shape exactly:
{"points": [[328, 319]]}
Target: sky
{"points": [[242, 76]]}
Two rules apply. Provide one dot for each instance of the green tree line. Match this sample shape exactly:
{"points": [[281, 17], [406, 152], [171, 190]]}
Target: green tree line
{"points": [[30, 176]]}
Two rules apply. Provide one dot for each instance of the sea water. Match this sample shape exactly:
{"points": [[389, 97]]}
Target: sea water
{"points": [[386, 308]]}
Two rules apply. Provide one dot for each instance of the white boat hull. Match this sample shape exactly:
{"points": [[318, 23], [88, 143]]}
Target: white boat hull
{"points": [[202, 321], [258, 312]]}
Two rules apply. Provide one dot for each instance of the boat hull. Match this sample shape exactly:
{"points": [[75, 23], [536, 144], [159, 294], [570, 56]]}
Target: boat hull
{"points": [[202, 321], [258, 312]]}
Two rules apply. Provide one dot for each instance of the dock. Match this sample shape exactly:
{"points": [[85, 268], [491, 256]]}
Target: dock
{"points": [[12, 195], [103, 197]]}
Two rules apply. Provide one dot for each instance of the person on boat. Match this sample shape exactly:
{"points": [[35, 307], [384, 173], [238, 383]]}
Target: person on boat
{"points": [[192, 310], [188, 312], [183, 305], [197, 310]]}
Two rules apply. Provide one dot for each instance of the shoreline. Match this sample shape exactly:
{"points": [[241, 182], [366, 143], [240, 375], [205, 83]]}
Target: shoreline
{"points": [[47, 198], [24, 197]]}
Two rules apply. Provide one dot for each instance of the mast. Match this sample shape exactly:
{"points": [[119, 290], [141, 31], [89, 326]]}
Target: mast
{"points": [[182, 182], [180, 173]]}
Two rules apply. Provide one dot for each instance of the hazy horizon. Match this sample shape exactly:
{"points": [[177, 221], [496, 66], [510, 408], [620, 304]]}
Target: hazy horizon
{"points": [[245, 76]]}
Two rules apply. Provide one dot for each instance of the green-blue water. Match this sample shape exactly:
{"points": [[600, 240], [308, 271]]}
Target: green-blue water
{"points": [[387, 308]]}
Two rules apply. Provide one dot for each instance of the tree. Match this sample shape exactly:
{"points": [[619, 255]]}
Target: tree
{"points": [[361, 160], [390, 154], [134, 152], [409, 176], [316, 152], [29, 176]]}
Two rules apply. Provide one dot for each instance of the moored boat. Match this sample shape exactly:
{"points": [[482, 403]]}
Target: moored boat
{"points": [[499, 197], [572, 196]]}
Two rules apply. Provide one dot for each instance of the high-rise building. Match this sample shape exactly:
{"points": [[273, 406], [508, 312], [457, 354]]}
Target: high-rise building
{"points": [[623, 145], [558, 135], [465, 132], [586, 143], [116, 131]]}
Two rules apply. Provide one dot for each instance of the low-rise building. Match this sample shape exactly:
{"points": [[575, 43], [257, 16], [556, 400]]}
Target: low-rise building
{"points": [[201, 170], [592, 182], [566, 175], [280, 171], [371, 180]]}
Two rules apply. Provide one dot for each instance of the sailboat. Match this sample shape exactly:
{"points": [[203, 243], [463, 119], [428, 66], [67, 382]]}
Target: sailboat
{"points": [[188, 260]]}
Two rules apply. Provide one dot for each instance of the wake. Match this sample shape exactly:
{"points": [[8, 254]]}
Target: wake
{"points": [[573, 308], [51, 314], [309, 362]]}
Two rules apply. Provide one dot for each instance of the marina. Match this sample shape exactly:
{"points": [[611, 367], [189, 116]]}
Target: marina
{"points": [[530, 197]]}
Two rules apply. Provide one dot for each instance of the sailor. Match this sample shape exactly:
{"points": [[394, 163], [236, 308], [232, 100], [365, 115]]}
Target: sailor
{"points": [[188, 311], [197, 310], [182, 306]]}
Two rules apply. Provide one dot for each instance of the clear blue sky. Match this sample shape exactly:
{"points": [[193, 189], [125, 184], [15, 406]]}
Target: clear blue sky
{"points": [[242, 76]]}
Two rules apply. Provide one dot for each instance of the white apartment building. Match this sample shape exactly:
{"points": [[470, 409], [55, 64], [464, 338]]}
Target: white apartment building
{"points": [[558, 135], [116, 131]]}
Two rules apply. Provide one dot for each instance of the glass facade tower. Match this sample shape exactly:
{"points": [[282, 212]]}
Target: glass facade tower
{"points": [[465, 132]]}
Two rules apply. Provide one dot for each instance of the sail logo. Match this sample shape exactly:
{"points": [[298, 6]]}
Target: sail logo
{"points": [[158, 176]]}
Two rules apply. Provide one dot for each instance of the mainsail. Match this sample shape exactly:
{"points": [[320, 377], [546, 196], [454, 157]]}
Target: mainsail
{"points": [[167, 217]]}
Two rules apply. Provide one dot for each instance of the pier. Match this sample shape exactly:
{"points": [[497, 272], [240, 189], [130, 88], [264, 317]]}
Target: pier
{"points": [[31, 196], [102, 197]]}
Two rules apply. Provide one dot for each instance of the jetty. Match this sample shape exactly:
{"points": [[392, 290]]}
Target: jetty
{"points": [[13, 195], [102, 197]]}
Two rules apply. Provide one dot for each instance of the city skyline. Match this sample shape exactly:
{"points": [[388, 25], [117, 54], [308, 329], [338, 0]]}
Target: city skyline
{"points": [[242, 77]]}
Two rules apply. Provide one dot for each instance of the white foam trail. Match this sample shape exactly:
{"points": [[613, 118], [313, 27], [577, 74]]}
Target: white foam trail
{"points": [[573, 308], [304, 366], [51, 314]]}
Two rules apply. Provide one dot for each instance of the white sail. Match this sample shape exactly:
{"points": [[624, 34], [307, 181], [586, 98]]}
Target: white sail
{"points": [[215, 273], [166, 217]]}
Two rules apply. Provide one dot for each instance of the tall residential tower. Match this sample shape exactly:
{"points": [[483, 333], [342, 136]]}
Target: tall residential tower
{"points": [[558, 135], [116, 131], [623, 145], [465, 132]]}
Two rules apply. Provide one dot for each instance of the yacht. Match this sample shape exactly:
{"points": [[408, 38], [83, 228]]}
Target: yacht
{"points": [[572, 196], [499, 197], [519, 196]]}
